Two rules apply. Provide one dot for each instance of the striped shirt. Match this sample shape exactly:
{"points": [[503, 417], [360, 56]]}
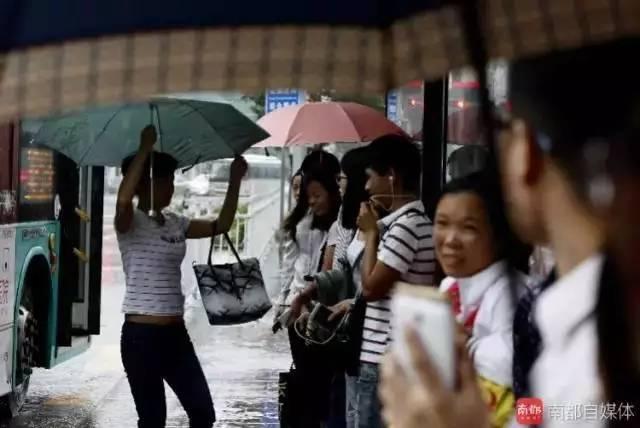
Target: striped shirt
{"points": [[151, 256], [340, 237], [407, 247]]}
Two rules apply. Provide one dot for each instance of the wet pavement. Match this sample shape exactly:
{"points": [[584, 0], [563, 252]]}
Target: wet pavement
{"points": [[241, 364], [91, 390]]}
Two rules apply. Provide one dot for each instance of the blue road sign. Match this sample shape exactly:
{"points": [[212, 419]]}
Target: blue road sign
{"points": [[278, 98], [392, 106]]}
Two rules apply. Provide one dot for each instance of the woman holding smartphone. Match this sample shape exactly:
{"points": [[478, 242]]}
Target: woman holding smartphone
{"points": [[554, 159]]}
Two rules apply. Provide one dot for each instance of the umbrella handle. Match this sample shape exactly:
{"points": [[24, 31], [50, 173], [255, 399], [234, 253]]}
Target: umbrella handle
{"points": [[152, 211]]}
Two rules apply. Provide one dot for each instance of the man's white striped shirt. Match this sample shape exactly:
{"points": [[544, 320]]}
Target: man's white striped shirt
{"points": [[406, 246]]}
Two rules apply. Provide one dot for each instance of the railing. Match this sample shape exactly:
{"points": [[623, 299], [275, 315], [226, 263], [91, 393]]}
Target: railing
{"points": [[237, 234]]}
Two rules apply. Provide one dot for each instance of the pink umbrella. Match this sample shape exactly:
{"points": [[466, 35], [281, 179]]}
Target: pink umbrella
{"points": [[324, 122]]}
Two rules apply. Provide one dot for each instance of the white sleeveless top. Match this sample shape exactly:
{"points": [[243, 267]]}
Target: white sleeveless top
{"points": [[151, 256]]}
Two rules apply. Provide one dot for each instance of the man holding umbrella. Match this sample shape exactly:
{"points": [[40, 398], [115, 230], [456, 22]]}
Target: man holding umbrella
{"points": [[155, 345]]}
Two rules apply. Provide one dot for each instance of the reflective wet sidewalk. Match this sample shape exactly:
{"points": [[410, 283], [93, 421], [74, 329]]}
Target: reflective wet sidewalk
{"points": [[241, 364]]}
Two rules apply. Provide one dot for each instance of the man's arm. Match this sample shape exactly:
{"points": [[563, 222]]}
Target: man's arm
{"points": [[377, 278]]}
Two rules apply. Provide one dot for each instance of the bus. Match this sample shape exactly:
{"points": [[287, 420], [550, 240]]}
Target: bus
{"points": [[50, 257], [260, 167]]}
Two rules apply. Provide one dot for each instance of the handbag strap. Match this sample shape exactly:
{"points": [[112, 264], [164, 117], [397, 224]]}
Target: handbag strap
{"points": [[214, 232]]}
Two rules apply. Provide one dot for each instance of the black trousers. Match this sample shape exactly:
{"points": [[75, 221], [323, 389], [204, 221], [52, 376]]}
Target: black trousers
{"points": [[152, 354], [316, 369]]}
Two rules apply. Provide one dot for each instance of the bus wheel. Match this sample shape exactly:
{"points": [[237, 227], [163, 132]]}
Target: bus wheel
{"points": [[26, 348]]}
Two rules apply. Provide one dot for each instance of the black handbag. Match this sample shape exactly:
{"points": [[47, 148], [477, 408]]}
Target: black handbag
{"points": [[354, 329], [232, 293]]}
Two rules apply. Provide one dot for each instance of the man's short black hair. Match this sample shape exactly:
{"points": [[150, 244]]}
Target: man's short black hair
{"points": [[400, 154], [164, 165]]}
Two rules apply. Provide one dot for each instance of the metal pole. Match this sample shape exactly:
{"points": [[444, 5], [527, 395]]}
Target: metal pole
{"points": [[434, 141], [152, 211], [283, 172]]}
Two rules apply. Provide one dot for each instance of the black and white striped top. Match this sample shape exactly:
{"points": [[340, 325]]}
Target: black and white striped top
{"points": [[407, 247], [151, 256]]}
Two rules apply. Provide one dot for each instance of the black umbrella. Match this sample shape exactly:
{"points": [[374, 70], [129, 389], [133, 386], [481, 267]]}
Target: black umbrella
{"points": [[69, 54]]}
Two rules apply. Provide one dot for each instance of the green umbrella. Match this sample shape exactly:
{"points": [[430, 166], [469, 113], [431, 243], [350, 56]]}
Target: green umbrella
{"points": [[191, 131]]}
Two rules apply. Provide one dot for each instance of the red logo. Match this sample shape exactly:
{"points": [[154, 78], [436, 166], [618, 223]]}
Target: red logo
{"points": [[529, 411]]}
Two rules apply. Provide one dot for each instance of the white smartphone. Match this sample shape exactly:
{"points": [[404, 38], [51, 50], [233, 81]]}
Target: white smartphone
{"points": [[429, 312]]}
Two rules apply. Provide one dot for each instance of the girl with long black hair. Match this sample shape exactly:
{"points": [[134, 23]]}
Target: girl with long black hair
{"points": [[342, 233], [306, 229]]}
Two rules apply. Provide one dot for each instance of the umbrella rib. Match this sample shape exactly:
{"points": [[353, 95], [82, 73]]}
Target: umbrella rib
{"points": [[155, 106], [287, 139], [344, 113], [204, 118], [104, 129]]}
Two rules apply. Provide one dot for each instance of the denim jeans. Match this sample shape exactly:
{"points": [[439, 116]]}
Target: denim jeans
{"points": [[152, 354], [352, 400], [368, 414]]}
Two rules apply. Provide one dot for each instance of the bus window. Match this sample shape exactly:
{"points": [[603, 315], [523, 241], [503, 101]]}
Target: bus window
{"points": [[36, 188], [36, 175], [466, 148], [405, 107]]}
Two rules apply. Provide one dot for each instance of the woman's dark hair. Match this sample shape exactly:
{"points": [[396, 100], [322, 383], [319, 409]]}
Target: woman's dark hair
{"points": [[484, 185], [314, 162], [329, 182], [164, 165], [400, 154], [573, 99], [354, 165], [319, 159]]}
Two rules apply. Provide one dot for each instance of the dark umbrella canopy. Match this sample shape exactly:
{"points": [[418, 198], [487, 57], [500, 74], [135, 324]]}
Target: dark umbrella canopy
{"points": [[37, 22], [67, 54]]}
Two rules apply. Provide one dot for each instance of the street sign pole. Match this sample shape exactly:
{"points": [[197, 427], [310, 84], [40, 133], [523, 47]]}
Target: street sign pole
{"points": [[275, 99]]}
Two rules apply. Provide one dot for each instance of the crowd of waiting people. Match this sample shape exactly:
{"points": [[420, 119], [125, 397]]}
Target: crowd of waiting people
{"points": [[566, 338], [567, 161]]}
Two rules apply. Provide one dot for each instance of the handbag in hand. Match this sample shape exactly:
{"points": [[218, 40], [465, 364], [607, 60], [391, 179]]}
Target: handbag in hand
{"points": [[232, 293]]}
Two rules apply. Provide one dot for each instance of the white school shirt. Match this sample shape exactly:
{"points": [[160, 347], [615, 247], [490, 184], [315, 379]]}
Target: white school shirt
{"points": [[566, 373], [354, 256], [342, 239], [488, 292], [301, 258]]}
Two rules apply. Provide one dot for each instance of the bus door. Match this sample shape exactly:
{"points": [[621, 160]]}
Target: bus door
{"points": [[79, 192], [76, 203]]}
